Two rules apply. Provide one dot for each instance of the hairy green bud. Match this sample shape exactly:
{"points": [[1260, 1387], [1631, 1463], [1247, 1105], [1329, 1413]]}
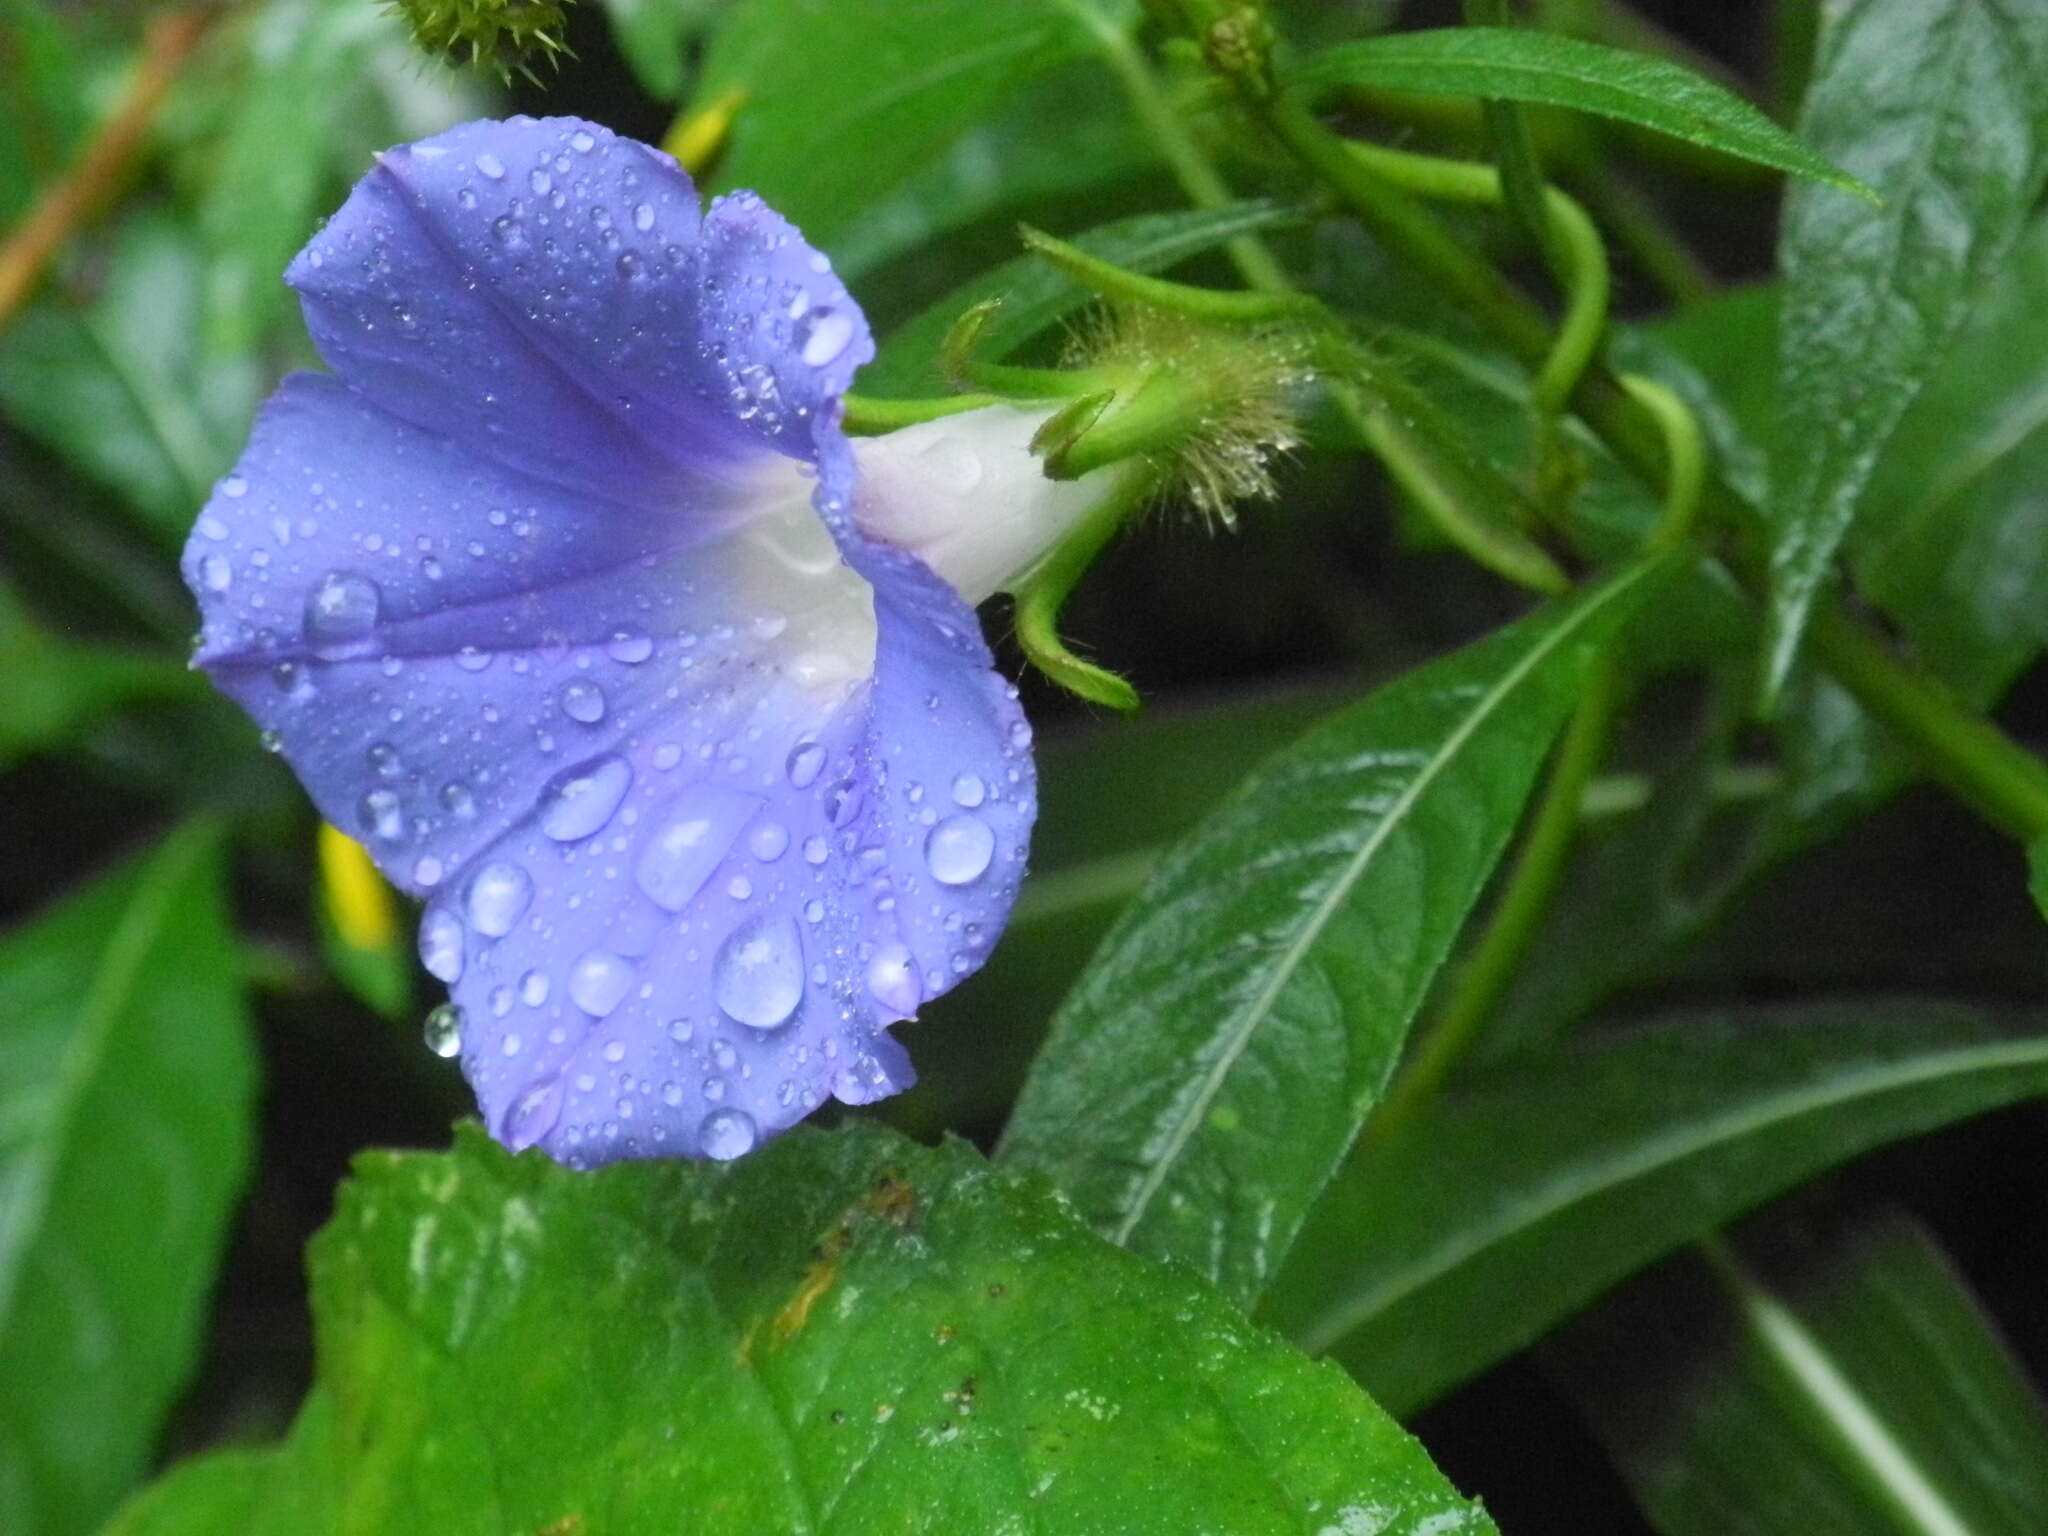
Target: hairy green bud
{"points": [[504, 36]]}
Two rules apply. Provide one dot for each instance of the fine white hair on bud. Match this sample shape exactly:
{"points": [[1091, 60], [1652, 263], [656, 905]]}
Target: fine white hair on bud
{"points": [[967, 496], [1241, 386]]}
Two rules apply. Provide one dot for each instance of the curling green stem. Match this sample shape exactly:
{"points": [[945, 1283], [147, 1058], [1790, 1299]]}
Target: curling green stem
{"points": [[1479, 984], [1685, 457], [1044, 591]]}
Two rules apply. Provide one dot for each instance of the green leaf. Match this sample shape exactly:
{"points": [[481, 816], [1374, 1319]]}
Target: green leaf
{"points": [[1476, 1226], [654, 36], [1214, 1063], [842, 102], [1953, 541], [843, 1331], [51, 688], [1864, 1391], [126, 1096], [1036, 295], [119, 387], [1944, 109], [1513, 64]]}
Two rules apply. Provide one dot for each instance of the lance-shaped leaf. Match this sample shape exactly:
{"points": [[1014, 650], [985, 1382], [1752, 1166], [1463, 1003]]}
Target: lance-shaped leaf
{"points": [[1512, 64], [126, 1091], [840, 1333], [1943, 107], [1477, 1226], [1218, 1056], [1856, 1385]]}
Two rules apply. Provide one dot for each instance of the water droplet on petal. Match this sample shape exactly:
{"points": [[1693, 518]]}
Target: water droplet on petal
{"points": [[768, 841], [497, 898], [533, 988], [823, 335], [959, 849], [968, 790], [599, 981], [643, 217], [342, 609], [470, 659], [441, 944], [443, 1031], [629, 646], [533, 1114], [491, 166], [757, 977], [583, 700], [579, 801], [815, 851], [234, 486], [727, 1134], [806, 762], [380, 814], [427, 871], [215, 571], [684, 850], [892, 979]]}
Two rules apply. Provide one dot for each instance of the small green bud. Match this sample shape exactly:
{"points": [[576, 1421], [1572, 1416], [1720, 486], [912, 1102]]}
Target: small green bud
{"points": [[505, 36], [1239, 44]]}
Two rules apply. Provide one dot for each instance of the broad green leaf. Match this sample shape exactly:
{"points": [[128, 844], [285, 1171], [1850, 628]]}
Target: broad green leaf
{"points": [[1513, 64], [1036, 296], [654, 36], [1865, 1391], [1953, 541], [50, 688], [841, 1332], [1007, 160], [119, 386], [126, 1097], [1476, 1226], [1943, 107], [1215, 1061], [842, 102]]}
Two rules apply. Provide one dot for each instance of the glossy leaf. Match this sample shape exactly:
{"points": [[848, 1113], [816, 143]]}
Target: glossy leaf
{"points": [[1480, 1224], [1513, 64], [1861, 1389], [1944, 109], [842, 1332], [1035, 295], [844, 101], [126, 1098], [1215, 1061]]}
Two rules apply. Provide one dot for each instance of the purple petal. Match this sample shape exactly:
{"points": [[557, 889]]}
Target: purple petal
{"points": [[540, 601]]}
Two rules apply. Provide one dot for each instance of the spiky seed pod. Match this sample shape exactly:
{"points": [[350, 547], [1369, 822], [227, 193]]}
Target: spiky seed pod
{"points": [[503, 36]]}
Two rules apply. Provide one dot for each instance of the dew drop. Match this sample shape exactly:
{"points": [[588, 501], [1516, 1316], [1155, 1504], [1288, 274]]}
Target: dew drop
{"points": [[341, 609], [234, 486], [684, 850], [815, 850], [727, 1134], [443, 1031], [380, 814], [581, 142], [958, 849], [497, 898], [823, 335], [580, 800], [599, 981], [643, 217], [968, 790], [470, 659], [541, 182], [583, 701], [893, 982], [768, 841], [457, 801], [533, 988], [216, 573], [757, 977], [630, 646], [384, 760], [441, 944], [427, 871], [533, 1114], [491, 166], [806, 762]]}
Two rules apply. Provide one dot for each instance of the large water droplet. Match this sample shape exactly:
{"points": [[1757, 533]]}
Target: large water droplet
{"points": [[727, 1134], [599, 981], [443, 1030], [583, 700], [533, 1114], [684, 850], [497, 898], [823, 334], [892, 979], [441, 944], [580, 800], [806, 762], [959, 849], [342, 609], [757, 976]]}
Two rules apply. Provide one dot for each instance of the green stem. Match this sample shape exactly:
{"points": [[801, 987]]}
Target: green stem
{"points": [[1480, 983], [1044, 591], [1685, 455], [2004, 783], [866, 415], [1960, 749]]}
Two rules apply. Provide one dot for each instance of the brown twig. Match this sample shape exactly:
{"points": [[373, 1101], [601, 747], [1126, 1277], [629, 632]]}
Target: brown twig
{"points": [[167, 41]]}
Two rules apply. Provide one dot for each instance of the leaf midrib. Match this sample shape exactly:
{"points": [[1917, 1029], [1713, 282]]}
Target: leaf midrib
{"points": [[1291, 959], [1653, 1155]]}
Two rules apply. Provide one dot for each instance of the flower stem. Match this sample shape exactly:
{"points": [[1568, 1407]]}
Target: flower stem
{"points": [[1479, 984]]}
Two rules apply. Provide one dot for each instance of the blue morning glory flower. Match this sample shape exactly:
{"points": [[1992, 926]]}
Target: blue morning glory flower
{"points": [[567, 595]]}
